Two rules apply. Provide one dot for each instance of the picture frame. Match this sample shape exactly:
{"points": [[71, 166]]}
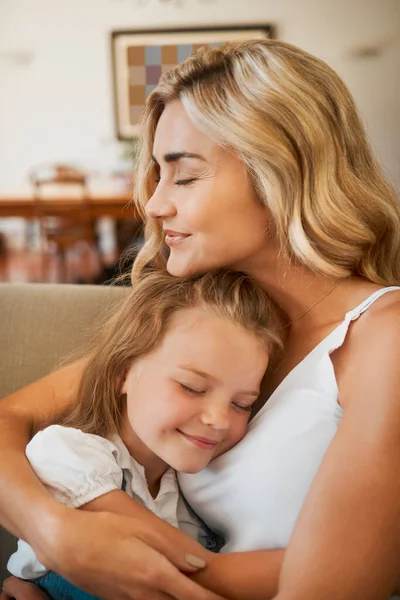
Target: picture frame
{"points": [[139, 57]]}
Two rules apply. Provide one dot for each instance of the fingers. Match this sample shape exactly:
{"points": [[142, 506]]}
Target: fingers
{"points": [[185, 562], [180, 587], [161, 581], [21, 590]]}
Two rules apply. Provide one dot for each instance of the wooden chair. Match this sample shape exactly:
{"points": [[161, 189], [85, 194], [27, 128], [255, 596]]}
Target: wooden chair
{"points": [[62, 207], [3, 257]]}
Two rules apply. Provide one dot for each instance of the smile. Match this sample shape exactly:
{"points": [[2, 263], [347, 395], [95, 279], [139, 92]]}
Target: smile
{"points": [[173, 238], [200, 442]]}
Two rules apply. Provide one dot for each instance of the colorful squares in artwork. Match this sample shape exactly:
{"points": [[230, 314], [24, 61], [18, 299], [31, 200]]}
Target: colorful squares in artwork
{"points": [[146, 64], [137, 75], [184, 50], [136, 56], [153, 55], [153, 74], [135, 111], [137, 94], [169, 55]]}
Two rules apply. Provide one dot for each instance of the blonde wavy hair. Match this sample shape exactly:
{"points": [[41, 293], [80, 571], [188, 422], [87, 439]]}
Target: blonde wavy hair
{"points": [[139, 326], [294, 124]]}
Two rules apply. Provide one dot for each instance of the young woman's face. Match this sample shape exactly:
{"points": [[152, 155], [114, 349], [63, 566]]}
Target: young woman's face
{"points": [[190, 399], [204, 199]]}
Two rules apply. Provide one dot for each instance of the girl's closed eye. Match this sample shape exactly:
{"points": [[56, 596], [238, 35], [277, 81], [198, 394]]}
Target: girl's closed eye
{"points": [[242, 407], [192, 390]]}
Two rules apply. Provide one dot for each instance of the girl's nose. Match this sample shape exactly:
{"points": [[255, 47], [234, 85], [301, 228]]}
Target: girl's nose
{"points": [[216, 417], [159, 207]]}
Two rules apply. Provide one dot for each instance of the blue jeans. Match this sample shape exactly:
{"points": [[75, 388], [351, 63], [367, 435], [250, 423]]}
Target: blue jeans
{"points": [[59, 588]]}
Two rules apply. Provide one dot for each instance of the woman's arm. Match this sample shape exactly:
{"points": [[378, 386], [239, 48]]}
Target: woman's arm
{"points": [[346, 543], [239, 575], [118, 557], [24, 502], [249, 575]]}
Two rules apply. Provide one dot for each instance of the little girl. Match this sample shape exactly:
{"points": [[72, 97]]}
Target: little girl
{"points": [[169, 386]]}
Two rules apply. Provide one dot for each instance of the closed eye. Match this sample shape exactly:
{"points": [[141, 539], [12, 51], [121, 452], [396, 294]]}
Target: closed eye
{"points": [[193, 391], [185, 181], [179, 181], [243, 407]]}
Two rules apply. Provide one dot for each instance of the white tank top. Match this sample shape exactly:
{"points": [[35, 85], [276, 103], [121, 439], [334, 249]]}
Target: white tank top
{"points": [[253, 494]]}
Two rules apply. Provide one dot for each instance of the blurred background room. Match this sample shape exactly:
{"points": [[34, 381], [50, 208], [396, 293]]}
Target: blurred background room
{"points": [[74, 76]]}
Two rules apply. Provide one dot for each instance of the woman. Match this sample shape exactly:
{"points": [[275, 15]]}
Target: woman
{"points": [[254, 158]]}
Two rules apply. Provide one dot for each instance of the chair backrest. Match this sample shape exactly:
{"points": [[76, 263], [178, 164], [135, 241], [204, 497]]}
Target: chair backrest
{"points": [[41, 325], [61, 180], [62, 191]]}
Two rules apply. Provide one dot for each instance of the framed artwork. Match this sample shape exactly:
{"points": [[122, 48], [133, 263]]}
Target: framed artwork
{"points": [[140, 57]]}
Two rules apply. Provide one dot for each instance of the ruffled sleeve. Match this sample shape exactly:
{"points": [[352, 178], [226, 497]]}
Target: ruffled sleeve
{"points": [[75, 467]]}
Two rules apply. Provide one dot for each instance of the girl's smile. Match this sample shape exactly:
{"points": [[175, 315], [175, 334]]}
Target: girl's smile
{"points": [[200, 442]]}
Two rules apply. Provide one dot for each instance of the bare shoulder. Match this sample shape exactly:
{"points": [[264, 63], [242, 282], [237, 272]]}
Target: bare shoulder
{"points": [[377, 325], [367, 365]]}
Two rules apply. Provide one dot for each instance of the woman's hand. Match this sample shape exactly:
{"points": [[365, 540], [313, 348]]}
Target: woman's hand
{"points": [[112, 556], [21, 590]]}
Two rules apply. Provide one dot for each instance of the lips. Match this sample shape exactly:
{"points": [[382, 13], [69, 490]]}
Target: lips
{"points": [[172, 238], [200, 442]]}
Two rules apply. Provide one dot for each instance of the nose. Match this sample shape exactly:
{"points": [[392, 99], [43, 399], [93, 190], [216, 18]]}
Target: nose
{"points": [[159, 206], [216, 416]]}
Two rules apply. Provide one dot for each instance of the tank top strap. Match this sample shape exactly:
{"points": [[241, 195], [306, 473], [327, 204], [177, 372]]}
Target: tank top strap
{"points": [[335, 339], [361, 308]]}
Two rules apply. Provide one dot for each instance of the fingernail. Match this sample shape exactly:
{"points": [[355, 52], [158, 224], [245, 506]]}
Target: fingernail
{"points": [[195, 561]]}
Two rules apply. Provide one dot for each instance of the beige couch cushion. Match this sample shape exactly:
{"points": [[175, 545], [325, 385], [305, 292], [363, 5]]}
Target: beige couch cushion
{"points": [[41, 325]]}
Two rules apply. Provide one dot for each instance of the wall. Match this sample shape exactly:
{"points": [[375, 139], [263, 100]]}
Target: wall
{"points": [[56, 97]]}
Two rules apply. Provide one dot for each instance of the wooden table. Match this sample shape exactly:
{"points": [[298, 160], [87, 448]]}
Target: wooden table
{"points": [[107, 202], [113, 204]]}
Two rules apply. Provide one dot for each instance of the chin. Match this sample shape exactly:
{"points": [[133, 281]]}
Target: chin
{"points": [[192, 470], [189, 467], [187, 268], [184, 269]]}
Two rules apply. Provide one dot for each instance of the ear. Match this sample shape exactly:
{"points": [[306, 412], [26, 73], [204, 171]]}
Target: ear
{"points": [[128, 374]]}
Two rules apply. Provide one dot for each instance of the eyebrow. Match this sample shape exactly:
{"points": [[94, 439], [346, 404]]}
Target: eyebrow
{"points": [[211, 378], [172, 157]]}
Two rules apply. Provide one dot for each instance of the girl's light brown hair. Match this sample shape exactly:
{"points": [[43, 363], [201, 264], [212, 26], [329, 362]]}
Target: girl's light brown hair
{"points": [[292, 121], [140, 324]]}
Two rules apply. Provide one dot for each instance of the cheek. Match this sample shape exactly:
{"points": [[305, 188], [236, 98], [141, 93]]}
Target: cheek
{"points": [[200, 219], [150, 406], [237, 432], [172, 411]]}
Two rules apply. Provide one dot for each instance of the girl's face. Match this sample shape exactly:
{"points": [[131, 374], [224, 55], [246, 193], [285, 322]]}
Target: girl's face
{"points": [[190, 399], [204, 199]]}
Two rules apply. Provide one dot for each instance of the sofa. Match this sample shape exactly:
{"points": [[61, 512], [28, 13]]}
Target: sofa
{"points": [[41, 327]]}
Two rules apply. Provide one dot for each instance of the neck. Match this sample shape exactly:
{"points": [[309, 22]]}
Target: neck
{"points": [[154, 467], [293, 287]]}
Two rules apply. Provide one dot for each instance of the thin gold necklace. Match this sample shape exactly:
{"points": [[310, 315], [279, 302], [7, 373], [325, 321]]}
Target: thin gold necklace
{"points": [[314, 304]]}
